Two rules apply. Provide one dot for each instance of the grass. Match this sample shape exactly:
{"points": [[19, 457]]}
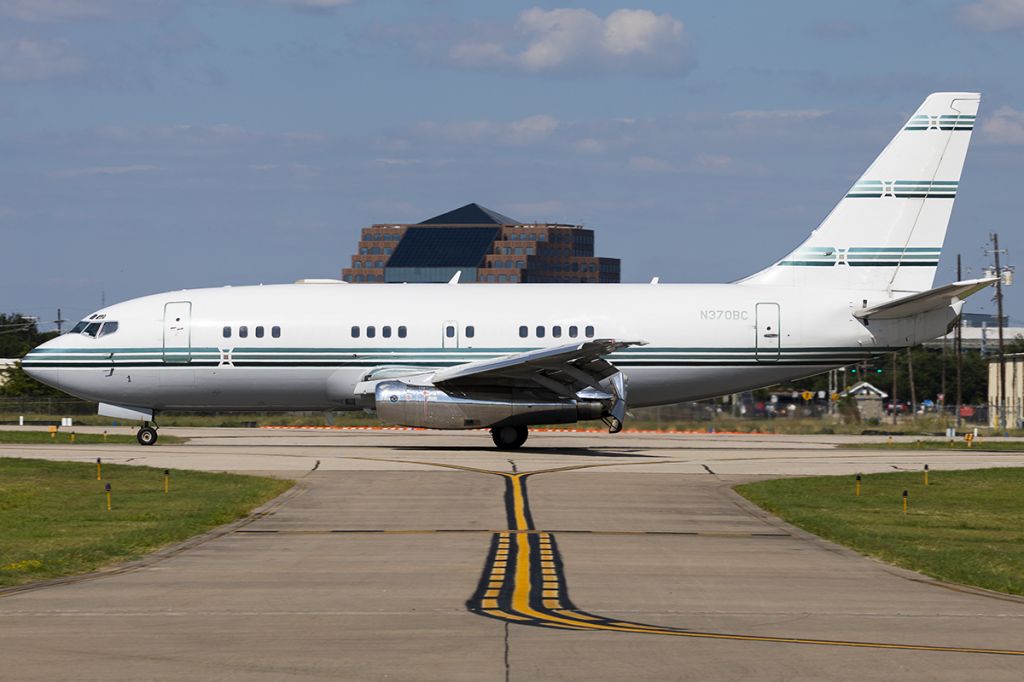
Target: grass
{"points": [[965, 527], [54, 521], [64, 437], [958, 444]]}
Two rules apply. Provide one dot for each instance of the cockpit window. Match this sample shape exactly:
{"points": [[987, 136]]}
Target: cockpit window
{"points": [[109, 327], [80, 327], [92, 329]]}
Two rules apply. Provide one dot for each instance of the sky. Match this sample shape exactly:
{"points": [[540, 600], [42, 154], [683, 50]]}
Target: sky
{"points": [[153, 145]]}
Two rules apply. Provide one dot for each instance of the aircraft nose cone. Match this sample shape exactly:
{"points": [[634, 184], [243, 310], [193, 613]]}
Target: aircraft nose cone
{"points": [[34, 364]]}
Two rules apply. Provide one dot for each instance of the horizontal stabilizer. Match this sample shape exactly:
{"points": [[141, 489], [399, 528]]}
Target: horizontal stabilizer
{"points": [[926, 301]]}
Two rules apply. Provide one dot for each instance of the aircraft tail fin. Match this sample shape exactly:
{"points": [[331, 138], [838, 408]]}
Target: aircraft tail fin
{"points": [[887, 232]]}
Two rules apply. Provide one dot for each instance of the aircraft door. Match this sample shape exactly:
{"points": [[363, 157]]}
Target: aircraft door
{"points": [[177, 333], [449, 334], [769, 336]]}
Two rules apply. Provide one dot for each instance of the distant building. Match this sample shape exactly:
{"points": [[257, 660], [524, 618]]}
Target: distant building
{"points": [[1014, 390], [484, 245], [983, 320], [868, 399]]}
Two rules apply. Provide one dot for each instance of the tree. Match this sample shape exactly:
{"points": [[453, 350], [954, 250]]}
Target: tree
{"points": [[18, 335]]}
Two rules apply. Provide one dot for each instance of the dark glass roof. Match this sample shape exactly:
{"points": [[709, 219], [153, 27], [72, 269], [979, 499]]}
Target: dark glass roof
{"points": [[470, 214], [431, 247]]}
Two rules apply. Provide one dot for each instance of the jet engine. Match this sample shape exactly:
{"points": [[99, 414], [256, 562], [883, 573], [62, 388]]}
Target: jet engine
{"points": [[433, 408]]}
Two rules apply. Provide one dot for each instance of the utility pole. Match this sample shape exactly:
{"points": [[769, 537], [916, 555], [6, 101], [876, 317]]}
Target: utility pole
{"points": [[892, 399], [958, 348], [996, 252], [59, 322], [913, 390]]}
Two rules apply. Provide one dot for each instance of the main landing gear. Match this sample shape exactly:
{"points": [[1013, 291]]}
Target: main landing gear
{"points": [[509, 437], [146, 434]]}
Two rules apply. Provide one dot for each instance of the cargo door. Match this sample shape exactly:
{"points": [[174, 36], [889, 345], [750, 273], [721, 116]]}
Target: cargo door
{"points": [[769, 335], [177, 333]]}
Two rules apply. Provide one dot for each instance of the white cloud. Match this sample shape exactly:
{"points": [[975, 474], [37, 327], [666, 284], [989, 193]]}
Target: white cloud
{"points": [[33, 60], [993, 15], [713, 161], [314, 5], [105, 170], [591, 145], [73, 10], [649, 164], [515, 133], [579, 41], [1004, 126], [778, 114]]}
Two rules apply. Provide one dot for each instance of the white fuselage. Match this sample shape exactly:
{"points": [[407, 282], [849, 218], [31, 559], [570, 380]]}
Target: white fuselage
{"points": [[702, 339]]}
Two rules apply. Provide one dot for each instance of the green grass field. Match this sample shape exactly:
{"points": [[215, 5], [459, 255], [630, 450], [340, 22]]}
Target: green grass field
{"points": [[965, 527], [54, 520], [981, 445], [64, 437]]}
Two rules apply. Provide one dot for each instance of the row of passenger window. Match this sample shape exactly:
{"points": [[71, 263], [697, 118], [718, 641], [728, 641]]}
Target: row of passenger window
{"points": [[371, 331], [258, 332], [556, 331]]}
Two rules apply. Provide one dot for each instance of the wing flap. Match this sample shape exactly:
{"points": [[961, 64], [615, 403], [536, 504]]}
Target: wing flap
{"points": [[570, 365]]}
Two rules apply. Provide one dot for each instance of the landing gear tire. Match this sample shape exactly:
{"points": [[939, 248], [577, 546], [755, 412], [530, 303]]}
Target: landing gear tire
{"points": [[509, 437], [146, 435]]}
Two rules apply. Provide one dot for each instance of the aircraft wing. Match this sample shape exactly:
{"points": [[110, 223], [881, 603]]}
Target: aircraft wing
{"points": [[925, 301], [564, 370]]}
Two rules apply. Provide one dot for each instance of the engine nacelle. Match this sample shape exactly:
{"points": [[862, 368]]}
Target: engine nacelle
{"points": [[433, 408]]}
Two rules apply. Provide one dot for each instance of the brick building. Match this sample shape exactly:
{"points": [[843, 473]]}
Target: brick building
{"points": [[484, 245]]}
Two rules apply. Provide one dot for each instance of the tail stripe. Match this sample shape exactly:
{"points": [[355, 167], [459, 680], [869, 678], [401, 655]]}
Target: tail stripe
{"points": [[904, 189], [943, 122]]}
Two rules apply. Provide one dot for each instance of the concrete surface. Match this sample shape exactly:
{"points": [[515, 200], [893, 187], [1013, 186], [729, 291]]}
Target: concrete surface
{"points": [[378, 566]]}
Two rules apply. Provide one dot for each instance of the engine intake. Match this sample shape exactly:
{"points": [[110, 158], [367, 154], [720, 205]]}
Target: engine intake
{"points": [[433, 408]]}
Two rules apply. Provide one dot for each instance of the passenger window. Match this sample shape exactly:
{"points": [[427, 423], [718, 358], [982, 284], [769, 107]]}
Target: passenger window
{"points": [[574, 331], [556, 331], [589, 331], [449, 331], [355, 332], [259, 332], [401, 332], [386, 332], [275, 332], [243, 331], [523, 331], [540, 332], [470, 331], [108, 328], [371, 332], [227, 332]]}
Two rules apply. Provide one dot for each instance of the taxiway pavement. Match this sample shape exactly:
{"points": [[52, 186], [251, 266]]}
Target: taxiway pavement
{"points": [[431, 556]]}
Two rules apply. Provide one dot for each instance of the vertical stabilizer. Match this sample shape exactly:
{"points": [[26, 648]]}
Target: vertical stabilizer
{"points": [[887, 232]]}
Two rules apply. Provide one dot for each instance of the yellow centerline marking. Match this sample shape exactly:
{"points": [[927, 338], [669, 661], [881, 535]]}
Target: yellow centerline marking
{"points": [[570, 619]]}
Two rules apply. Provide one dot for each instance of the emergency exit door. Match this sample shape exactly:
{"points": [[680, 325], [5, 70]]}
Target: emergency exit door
{"points": [[177, 333], [769, 337]]}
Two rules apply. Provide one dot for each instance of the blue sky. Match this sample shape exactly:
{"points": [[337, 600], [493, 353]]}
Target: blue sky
{"points": [[149, 145]]}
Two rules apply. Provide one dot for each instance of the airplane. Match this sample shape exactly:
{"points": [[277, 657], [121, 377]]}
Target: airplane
{"points": [[507, 357]]}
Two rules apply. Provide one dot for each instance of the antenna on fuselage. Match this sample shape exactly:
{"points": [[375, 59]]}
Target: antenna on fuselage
{"points": [[455, 277]]}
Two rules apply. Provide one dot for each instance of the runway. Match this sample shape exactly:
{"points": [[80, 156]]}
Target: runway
{"points": [[426, 556]]}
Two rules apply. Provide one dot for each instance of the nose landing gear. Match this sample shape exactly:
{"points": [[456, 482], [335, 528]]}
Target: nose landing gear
{"points": [[146, 434]]}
